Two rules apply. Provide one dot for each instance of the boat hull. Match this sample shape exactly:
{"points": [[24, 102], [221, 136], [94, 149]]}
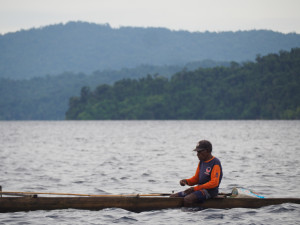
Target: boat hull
{"points": [[135, 204]]}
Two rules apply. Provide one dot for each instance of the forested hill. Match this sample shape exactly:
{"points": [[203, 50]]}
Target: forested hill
{"points": [[266, 89], [86, 47], [46, 98]]}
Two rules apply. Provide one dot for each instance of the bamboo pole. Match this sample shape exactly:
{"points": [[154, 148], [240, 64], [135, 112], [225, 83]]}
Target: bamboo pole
{"points": [[83, 195]]}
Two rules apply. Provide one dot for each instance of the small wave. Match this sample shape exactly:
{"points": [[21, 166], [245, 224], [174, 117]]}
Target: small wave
{"points": [[53, 216], [100, 191], [288, 207], [152, 181], [194, 209], [22, 169], [125, 219], [79, 182], [215, 216]]}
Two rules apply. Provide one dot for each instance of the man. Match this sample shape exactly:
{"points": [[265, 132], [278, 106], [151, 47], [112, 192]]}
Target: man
{"points": [[207, 178]]}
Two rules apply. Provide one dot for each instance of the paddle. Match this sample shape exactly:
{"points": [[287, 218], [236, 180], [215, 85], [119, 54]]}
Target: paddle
{"points": [[86, 195]]}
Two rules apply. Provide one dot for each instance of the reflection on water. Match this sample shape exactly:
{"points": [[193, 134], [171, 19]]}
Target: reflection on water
{"points": [[123, 157]]}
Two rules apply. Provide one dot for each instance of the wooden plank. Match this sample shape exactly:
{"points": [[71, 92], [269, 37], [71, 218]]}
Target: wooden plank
{"points": [[83, 195], [136, 204]]}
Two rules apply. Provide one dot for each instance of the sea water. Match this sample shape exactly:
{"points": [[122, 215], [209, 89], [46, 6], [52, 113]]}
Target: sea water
{"points": [[126, 157]]}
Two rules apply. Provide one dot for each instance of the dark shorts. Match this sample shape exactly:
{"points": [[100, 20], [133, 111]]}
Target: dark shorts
{"points": [[202, 195]]}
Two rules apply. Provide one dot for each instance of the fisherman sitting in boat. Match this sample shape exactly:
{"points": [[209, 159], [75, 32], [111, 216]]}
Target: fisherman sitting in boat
{"points": [[208, 176]]}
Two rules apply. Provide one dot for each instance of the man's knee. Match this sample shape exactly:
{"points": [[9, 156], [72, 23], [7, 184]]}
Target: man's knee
{"points": [[190, 199]]}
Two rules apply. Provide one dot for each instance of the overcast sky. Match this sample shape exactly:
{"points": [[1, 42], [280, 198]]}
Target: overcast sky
{"points": [[191, 15]]}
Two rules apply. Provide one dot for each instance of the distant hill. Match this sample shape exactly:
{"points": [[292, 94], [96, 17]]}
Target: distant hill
{"points": [[46, 98], [266, 89], [85, 47]]}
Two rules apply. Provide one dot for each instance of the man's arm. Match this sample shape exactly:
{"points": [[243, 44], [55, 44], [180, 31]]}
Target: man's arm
{"points": [[194, 180]]}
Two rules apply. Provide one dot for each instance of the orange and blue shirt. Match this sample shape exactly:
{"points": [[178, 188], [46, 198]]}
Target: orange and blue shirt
{"points": [[208, 176]]}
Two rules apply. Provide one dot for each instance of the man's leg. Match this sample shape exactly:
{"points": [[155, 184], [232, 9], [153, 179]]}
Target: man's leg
{"points": [[196, 197]]}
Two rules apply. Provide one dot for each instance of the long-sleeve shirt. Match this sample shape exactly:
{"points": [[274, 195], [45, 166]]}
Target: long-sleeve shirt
{"points": [[208, 176]]}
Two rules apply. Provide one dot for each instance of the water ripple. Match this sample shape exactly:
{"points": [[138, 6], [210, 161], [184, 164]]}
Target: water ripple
{"points": [[125, 157]]}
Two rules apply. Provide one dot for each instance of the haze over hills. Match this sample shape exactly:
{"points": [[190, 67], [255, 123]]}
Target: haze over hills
{"points": [[86, 47], [41, 69]]}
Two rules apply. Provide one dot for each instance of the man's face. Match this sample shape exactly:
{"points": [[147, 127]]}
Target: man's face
{"points": [[202, 155]]}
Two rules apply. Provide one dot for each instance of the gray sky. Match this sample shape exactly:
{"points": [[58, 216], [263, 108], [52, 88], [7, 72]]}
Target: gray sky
{"points": [[191, 15]]}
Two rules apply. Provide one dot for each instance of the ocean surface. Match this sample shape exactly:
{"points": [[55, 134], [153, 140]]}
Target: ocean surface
{"points": [[126, 157]]}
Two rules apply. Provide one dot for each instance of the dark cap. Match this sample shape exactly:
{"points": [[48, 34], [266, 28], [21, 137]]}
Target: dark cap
{"points": [[203, 145]]}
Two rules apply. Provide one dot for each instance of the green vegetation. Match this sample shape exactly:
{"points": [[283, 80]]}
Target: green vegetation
{"points": [[266, 89], [86, 47], [46, 98], [40, 69]]}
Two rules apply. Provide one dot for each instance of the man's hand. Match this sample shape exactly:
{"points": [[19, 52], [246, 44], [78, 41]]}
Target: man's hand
{"points": [[183, 182], [189, 191], [174, 195]]}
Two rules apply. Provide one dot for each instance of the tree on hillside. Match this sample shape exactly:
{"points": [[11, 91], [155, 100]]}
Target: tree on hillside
{"points": [[266, 89]]}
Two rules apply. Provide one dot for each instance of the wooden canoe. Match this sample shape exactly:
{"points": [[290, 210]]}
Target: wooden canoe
{"points": [[135, 204]]}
